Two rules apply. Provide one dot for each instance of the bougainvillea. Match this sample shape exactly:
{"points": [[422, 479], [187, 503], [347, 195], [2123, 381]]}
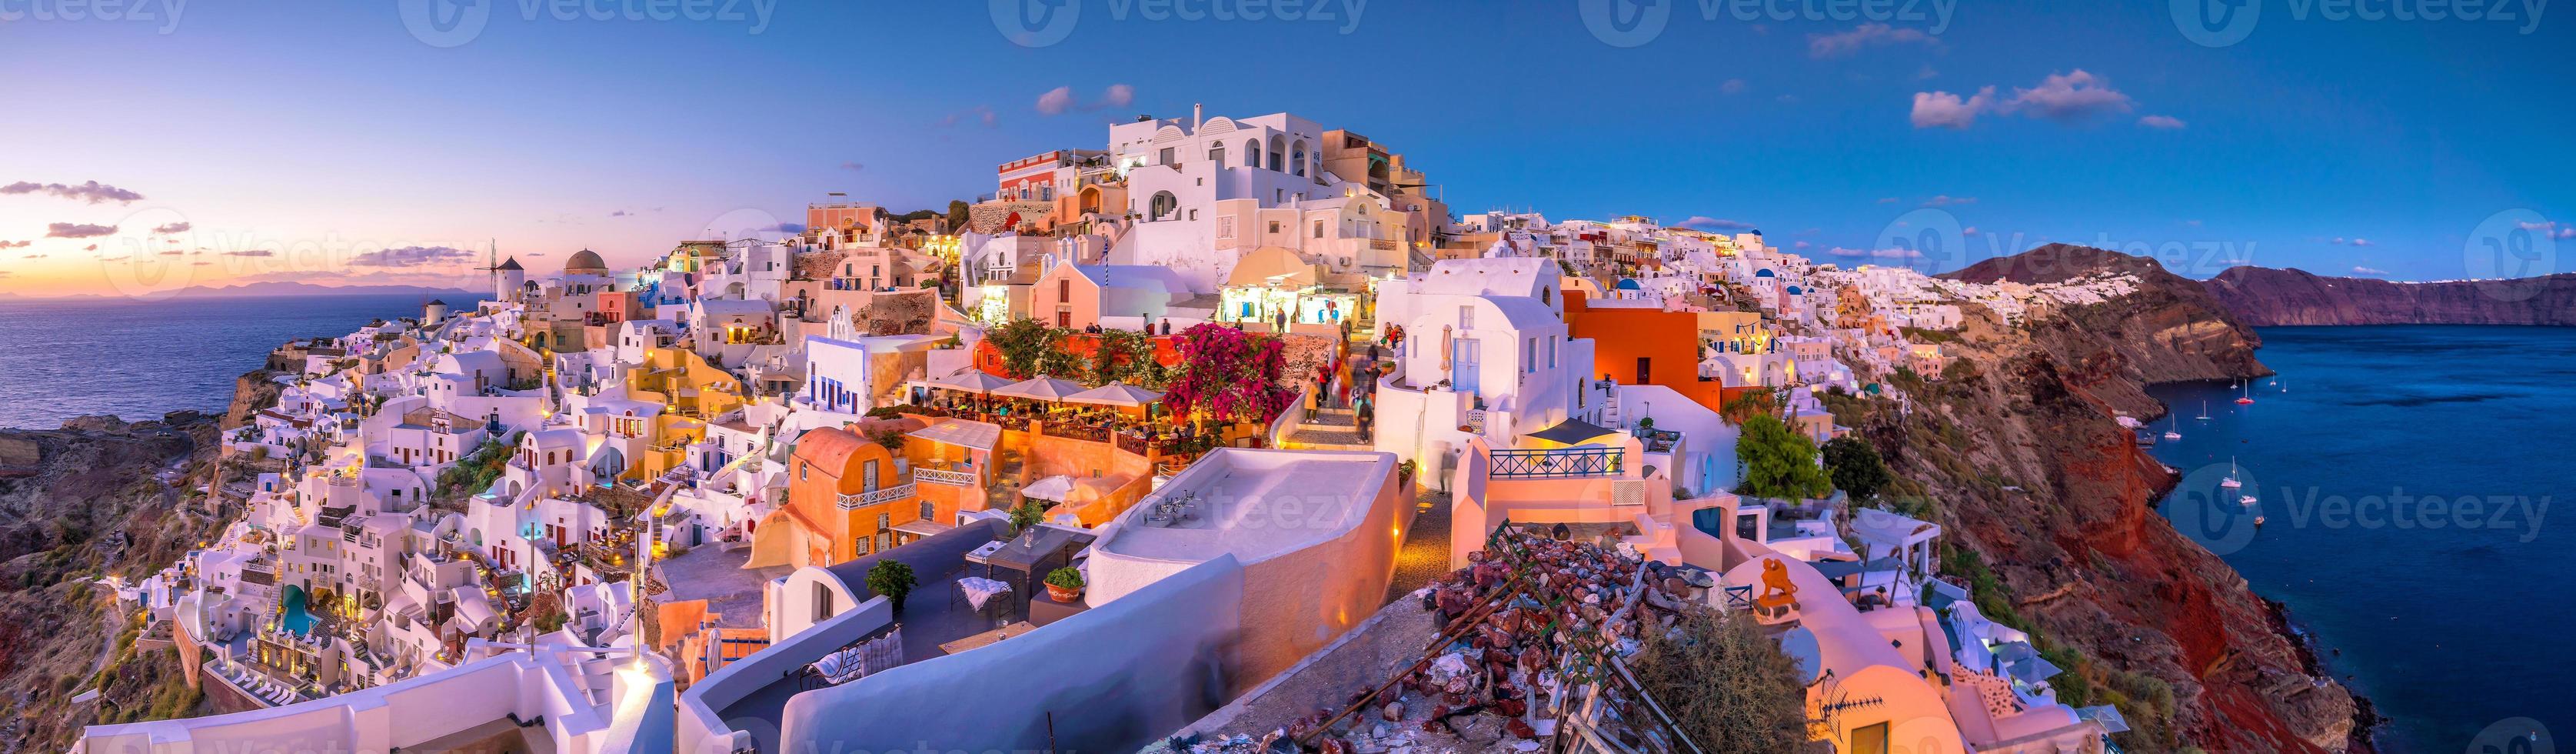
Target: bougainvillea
{"points": [[1229, 375]]}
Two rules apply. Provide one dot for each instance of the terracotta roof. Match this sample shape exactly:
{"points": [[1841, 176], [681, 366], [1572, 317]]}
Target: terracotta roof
{"points": [[828, 447]]}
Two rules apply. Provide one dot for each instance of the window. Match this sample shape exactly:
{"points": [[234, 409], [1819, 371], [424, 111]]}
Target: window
{"points": [[1064, 289], [929, 511], [1166, 156], [1319, 229], [1869, 739], [1225, 227], [1274, 227]]}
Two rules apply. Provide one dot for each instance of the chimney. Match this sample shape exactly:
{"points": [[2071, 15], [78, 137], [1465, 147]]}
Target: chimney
{"points": [[1198, 114]]}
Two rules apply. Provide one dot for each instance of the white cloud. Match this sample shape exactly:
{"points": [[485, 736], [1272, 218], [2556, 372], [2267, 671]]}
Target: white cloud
{"points": [[2166, 122], [1713, 224], [2369, 271], [2072, 97], [1061, 100], [1945, 200], [1865, 35], [1946, 110], [1734, 86]]}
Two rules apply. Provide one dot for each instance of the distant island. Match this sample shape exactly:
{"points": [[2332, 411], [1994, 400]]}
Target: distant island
{"points": [[2262, 296], [279, 288]]}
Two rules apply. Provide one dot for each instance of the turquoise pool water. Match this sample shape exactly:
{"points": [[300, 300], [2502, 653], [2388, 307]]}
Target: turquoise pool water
{"points": [[297, 620]]}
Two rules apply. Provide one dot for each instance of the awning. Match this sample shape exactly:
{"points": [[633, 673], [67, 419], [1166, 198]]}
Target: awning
{"points": [[965, 433], [1572, 432], [1047, 389], [1115, 394], [922, 526]]}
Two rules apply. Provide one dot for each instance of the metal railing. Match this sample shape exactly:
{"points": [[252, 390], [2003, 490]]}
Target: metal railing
{"points": [[1557, 464], [879, 497]]}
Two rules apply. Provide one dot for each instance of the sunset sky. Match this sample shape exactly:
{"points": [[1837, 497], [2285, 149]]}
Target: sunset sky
{"points": [[341, 143]]}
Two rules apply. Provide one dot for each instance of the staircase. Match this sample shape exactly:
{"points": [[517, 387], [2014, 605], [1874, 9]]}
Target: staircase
{"points": [[1610, 416], [1332, 429]]}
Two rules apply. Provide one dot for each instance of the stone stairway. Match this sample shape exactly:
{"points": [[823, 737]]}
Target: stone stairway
{"points": [[1332, 429]]}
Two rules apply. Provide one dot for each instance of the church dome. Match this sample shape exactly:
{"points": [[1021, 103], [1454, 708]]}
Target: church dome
{"points": [[584, 260]]}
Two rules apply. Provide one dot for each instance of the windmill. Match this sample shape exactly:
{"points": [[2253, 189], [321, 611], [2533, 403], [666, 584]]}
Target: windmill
{"points": [[492, 265]]}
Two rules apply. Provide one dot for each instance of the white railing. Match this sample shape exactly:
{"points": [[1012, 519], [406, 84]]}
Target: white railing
{"points": [[941, 477], [886, 495]]}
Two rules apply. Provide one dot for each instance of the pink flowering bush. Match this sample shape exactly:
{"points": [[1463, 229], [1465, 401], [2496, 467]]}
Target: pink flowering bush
{"points": [[1229, 374]]}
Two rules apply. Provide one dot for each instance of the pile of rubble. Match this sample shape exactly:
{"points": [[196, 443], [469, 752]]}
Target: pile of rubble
{"points": [[1529, 633]]}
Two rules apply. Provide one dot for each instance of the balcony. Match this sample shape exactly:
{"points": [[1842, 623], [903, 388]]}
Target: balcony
{"points": [[879, 497], [1557, 464], [943, 477]]}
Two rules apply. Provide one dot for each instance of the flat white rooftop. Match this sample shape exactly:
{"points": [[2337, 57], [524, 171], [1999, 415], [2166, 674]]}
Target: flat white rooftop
{"points": [[1254, 504]]}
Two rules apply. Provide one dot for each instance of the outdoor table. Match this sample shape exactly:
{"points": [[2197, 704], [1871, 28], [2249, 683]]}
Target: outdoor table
{"points": [[987, 638]]}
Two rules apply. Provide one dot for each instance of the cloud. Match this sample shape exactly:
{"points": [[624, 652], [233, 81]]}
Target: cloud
{"points": [[1713, 224], [177, 227], [411, 256], [1845, 251], [91, 247], [78, 230], [2551, 229], [2341, 241], [2369, 271], [15, 244], [1926, 73], [35, 256], [1968, 231], [983, 113], [1865, 35], [2073, 97], [1801, 245], [1945, 200], [1887, 200], [849, 166], [251, 253], [621, 213], [170, 253], [1734, 86], [1945, 110], [201, 264], [94, 192], [784, 228], [1061, 100]]}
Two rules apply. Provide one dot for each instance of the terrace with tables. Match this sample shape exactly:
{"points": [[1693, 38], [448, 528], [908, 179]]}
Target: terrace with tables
{"points": [[833, 632]]}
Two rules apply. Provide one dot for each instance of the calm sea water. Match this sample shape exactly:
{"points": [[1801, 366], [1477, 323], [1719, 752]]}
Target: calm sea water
{"points": [[2410, 480], [141, 359]]}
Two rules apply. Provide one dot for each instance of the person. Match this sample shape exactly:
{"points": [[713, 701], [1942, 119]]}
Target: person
{"points": [[1310, 401], [1167, 326]]}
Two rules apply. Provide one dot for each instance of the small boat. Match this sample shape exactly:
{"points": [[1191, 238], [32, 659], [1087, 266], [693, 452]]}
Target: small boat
{"points": [[2258, 520], [2230, 481], [2248, 501], [2204, 409], [2172, 429], [2248, 397]]}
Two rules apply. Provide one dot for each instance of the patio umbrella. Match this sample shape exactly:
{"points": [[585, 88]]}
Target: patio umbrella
{"points": [[1115, 394], [1051, 489], [973, 381], [1047, 389]]}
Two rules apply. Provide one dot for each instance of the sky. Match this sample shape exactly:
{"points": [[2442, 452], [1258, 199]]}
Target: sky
{"points": [[159, 143]]}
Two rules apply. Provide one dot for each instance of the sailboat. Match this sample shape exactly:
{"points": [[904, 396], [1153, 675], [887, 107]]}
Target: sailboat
{"points": [[2173, 428], [2248, 397], [2204, 410], [2230, 482]]}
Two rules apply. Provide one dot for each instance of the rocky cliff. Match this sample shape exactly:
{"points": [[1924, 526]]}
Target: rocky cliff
{"points": [[2016, 450], [2262, 296], [99, 497]]}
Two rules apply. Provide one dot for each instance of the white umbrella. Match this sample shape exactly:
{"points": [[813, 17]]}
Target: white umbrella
{"points": [[1052, 488], [1115, 394], [1047, 389], [972, 381]]}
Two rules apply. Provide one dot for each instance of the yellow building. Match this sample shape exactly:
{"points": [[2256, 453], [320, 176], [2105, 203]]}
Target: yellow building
{"points": [[690, 391]]}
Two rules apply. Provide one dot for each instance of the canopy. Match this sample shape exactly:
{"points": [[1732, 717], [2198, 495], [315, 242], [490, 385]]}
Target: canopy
{"points": [[972, 381], [961, 432], [1047, 389], [1572, 432], [1115, 394], [1052, 488]]}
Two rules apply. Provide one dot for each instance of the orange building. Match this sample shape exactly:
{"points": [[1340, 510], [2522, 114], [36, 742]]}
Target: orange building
{"points": [[847, 496], [1647, 346]]}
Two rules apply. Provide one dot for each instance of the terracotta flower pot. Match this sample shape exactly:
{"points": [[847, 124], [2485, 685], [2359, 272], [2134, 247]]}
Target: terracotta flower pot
{"points": [[1061, 594]]}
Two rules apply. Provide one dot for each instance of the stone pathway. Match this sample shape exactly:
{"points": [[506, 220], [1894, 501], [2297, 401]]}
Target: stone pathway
{"points": [[1425, 554]]}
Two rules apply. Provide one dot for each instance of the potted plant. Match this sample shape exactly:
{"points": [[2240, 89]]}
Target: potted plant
{"points": [[1064, 584], [893, 579]]}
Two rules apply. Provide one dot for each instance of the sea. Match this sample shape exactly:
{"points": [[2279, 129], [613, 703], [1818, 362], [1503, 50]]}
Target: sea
{"points": [[61, 358], [2418, 517]]}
